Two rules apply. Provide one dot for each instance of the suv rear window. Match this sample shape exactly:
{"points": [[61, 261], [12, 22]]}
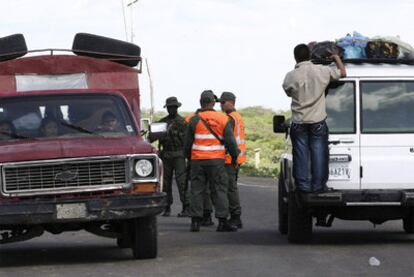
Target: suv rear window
{"points": [[340, 107], [70, 115], [387, 106]]}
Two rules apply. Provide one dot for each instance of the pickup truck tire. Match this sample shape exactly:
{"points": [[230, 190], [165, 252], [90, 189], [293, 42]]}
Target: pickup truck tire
{"points": [[282, 206], [12, 44], [94, 44], [299, 222], [408, 222], [144, 237]]}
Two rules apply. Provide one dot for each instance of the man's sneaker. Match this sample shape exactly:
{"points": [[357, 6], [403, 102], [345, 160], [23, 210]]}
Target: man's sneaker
{"points": [[225, 226], [195, 224], [236, 221], [167, 211], [207, 220]]}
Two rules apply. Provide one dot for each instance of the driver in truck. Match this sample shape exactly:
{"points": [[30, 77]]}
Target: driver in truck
{"points": [[306, 85]]}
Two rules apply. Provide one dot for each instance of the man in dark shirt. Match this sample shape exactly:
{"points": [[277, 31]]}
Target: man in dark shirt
{"points": [[171, 152]]}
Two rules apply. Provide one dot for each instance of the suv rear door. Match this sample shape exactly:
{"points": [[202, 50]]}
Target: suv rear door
{"points": [[387, 133], [344, 138]]}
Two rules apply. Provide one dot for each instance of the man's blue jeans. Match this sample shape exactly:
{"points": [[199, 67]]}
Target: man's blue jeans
{"points": [[310, 156]]}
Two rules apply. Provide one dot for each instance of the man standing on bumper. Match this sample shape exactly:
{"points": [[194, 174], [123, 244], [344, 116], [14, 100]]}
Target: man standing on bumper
{"points": [[306, 85], [172, 155], [205, 145], [227, 101]]}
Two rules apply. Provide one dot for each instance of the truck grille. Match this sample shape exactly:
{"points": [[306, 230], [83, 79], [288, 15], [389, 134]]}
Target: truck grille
{"points": [[72, 175]]}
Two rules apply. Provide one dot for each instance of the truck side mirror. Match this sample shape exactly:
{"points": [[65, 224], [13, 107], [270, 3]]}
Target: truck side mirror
{"points": [[157, 130], [145, 123], [144, 127], [279, 124]]}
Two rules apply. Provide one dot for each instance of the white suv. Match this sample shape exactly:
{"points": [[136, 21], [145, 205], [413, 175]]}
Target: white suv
{"points": [[371, 167]]}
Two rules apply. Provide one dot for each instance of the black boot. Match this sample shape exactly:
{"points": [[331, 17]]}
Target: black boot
{"points": [[207, 221], [167, 211], [185, 212], [236, 221], [225, 226], [195, 224]]}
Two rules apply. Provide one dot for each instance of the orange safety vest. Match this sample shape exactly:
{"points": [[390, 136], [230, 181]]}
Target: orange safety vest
{"points": [[238, 131], [205, 145], [188, 117]]}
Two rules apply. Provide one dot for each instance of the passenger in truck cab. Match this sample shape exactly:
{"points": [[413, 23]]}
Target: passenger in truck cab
{"points": [[7, 130], [109, 123], [49, 127]]}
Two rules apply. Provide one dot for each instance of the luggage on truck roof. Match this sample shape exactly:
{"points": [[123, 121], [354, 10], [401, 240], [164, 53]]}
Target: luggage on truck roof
{"points": [[12, 47], [129, 54], [106, 48]]}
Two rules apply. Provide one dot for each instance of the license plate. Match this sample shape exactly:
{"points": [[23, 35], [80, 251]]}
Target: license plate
{"points": [[69, 211], [339, 172]]}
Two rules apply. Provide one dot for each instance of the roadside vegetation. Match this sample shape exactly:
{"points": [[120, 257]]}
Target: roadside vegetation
{"points": [[263, 146]]}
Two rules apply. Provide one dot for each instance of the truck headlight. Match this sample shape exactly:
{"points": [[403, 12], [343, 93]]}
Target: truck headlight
{"points": [[143, 168]]}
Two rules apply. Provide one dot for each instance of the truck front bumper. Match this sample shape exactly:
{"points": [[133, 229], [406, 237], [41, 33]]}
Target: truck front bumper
{"points": [[360, 198], [30, 212]]}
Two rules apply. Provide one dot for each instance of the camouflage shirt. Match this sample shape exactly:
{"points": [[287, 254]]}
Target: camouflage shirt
{"points": [[172, 145]]}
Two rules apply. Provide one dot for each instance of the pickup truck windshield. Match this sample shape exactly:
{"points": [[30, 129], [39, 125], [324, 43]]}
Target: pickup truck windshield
{"points": [[68, 115]]}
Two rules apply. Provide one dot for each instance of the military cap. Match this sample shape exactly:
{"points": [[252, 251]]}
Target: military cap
{"points": [[208, 96], [226, 96], [172, 101]]}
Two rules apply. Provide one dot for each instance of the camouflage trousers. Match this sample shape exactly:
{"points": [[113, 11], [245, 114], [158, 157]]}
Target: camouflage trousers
{"points": [[177, 166], [212, 178], [232, 193]]}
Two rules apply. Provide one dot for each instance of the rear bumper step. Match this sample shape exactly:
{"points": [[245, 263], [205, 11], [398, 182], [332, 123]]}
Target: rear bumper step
{"points": [[359, 198]]}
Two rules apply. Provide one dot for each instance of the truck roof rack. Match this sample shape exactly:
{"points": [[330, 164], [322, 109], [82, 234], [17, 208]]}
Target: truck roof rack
{"points": [[129, 54]]}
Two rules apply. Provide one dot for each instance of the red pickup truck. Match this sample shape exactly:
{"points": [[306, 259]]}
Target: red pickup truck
{"points": [[72, 155]]}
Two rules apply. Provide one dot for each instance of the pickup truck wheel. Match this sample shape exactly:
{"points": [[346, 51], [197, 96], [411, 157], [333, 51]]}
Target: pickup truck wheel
{"points": [[408, 222], [299, 222], [144, 237], [282, 206]]}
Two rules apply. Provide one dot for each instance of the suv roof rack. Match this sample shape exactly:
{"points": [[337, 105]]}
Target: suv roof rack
{"points": [[367, 61]]}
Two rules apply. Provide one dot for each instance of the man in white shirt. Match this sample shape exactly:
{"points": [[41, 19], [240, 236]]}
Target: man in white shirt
{"points": [[306, 85]]}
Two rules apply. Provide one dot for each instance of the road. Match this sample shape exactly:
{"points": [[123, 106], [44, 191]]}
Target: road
{"points": [[256, 250]]}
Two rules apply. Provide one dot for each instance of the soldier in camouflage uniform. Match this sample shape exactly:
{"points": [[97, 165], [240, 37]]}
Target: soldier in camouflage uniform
{"points": [[171, 152]]}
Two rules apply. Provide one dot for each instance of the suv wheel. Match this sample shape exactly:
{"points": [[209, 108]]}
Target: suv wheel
{"points": [[408, 222], [144, 237], [299, 221], [282, 206]]}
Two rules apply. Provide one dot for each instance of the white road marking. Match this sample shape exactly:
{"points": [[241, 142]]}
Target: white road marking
{"points": [[255, 186]]}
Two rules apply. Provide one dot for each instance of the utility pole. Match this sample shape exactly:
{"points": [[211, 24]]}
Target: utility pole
{"points": [[125, 24], [131, 5], [151, 91]]}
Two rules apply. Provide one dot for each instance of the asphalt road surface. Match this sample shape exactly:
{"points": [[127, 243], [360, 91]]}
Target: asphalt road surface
{"points": [[256, 250]]}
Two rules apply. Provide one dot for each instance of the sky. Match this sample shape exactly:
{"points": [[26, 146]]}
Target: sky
{"points": [[242, 46]]}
